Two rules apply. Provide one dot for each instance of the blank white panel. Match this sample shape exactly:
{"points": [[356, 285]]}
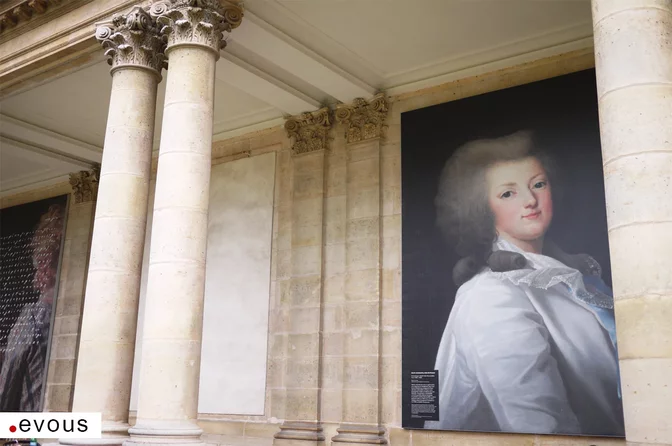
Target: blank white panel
{"points": [[237, 286]]}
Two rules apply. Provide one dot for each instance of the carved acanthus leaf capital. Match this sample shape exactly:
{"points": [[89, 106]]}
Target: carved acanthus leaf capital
{"points": [[364, 119], [197, 22], [133, 39], [309, 131], [85, 185]]}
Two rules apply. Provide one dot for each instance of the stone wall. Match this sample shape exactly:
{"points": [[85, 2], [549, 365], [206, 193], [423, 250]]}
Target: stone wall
{"points": [[335, 299], [337, 234], [67, 321]]}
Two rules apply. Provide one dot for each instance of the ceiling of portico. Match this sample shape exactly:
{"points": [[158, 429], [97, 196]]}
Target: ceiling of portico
{"points": [[76, 106], [290, 56], [390, 43]]}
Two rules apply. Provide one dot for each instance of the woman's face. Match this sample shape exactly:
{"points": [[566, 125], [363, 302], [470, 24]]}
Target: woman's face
{"points": [[519, 195]]}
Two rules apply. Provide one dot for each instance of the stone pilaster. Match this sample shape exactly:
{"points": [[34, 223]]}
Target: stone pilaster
{"points": [[633, 57], [105, 359], [172, 329], [73, 270], [363, 122], [303, 303]]}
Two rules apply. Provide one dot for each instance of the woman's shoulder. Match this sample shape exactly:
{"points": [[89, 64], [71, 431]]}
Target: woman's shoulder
{"points": [[488, 290], [488, 280], [487, 300]]}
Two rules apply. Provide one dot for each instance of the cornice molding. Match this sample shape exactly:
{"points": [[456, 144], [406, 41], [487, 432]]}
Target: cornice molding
{"points": [[19, 12], [268, 48], [309, 131], [364, 119], [58, 183], [67, 35], [49, 157], [59, 145]]}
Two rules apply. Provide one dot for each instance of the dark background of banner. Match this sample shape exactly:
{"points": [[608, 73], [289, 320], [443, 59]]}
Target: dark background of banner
{"points": [[563, 114], [16, 265]]}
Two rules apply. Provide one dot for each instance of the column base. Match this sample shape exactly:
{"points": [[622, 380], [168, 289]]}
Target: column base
{"points": [[360, 434], [299, 433], [172, 432], [114, 434]]}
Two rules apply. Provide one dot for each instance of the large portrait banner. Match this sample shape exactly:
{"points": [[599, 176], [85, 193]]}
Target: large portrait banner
{"points": [[508, 321], [31, 241]]}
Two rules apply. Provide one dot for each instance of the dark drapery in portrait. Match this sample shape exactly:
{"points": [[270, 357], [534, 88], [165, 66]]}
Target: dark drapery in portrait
{"points": [[31, 240], [562, 114]]}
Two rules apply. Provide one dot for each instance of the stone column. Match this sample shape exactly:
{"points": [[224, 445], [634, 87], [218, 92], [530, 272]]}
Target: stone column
{"points": [[302, 296], [171, 341], [105, 359], [363, 121], [633, 56]]}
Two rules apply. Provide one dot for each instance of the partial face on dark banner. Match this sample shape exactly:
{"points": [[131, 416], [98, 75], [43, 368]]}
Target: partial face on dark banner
{"points": [[32, 237]]}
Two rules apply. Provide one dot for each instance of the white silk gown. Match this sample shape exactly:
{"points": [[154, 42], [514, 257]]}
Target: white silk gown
{"points": [[526, 351]]}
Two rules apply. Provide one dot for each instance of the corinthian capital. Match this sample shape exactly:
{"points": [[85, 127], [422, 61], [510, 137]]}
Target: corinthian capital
{"points": [[309, 131], [132, 39], [197, 22], [85, 185], [364, 119]]}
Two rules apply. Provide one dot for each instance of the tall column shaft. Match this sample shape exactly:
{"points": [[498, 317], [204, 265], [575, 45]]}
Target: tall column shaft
{"points": [[633, 49], [105, 359], [171, 342]]}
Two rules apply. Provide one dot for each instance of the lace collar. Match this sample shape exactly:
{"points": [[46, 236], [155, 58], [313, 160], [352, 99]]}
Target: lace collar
{"points": [[544, 272]]}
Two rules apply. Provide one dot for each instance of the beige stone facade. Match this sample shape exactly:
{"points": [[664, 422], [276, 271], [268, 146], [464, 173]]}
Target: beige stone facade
{"points": [[334, 328]]}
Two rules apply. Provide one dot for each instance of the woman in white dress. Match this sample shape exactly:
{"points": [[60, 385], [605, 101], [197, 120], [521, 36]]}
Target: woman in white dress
{"points": [[530, 343]]}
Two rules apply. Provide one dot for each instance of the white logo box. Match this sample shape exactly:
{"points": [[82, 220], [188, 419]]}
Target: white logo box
{"points": [[50, 425]]}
